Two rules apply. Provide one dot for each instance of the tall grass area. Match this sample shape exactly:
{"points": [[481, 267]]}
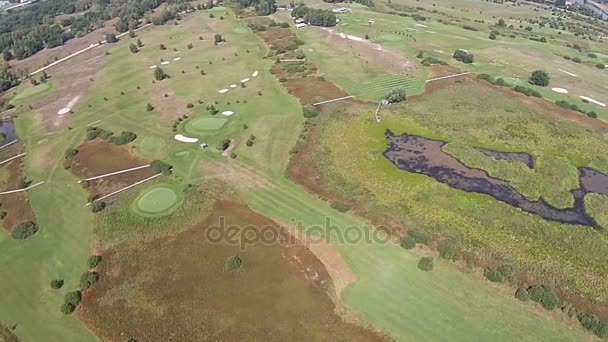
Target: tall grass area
{"points": [[351, 158]]}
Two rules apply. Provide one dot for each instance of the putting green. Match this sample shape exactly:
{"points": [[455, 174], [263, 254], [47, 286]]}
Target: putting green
{"points": [[156, 201], [152, 144], [201, 125]]}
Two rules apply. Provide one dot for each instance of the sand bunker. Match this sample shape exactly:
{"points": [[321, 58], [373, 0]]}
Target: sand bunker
{"points": [[245, 80], [183, 138], [430, 32], [233, 86], [165, 63], [227, 112], [177, 58], [421, 25], [560, 90], [223, 91], [255, 74], [566, 72], [68, 108], [593, 101], [153, 66]]}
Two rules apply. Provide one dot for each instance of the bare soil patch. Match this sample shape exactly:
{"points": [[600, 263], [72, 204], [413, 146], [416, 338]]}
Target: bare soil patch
{"points": [[178, 289], [98, 157], [17, 205], [313, 89], [276, 35]]}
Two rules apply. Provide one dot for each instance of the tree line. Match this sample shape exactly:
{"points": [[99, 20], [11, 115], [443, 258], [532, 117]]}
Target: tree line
{"points": [[314, 16]]}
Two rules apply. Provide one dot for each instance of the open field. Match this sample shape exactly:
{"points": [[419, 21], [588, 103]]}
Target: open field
{"points": [[152, 238]]}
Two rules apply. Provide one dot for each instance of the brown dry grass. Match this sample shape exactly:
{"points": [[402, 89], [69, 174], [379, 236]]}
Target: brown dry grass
{"points": [[16, 205], [178, 289], [6, 335]]}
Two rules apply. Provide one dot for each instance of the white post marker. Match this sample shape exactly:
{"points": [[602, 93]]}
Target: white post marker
{"points": [[11, 158], [9, 144], [114, 173], [21, 190], [126, 188]]}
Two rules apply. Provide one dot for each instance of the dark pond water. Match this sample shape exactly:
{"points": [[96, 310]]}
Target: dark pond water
{"points": [[425, 156], [8, 129], [515, 156]]}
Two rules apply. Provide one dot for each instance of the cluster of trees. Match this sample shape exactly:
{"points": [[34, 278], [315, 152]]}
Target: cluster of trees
{"points": [[262, 7], [7, 78], [314, 16], [159, 166], [463, 56], [27, 31], [539, 78]]}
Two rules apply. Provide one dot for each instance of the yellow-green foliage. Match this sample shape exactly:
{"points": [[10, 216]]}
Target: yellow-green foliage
{"points": [[597, 206], [552, 178], [351, 158]]}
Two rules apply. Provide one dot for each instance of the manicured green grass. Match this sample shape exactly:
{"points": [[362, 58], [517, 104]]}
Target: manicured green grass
{"points": [[205, 124], [156, 201], [31, 91]]}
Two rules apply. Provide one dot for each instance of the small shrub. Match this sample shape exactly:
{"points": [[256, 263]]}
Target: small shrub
{"points": [[233, 263], [56, 283], [88, 279], [24, 230], [189, 105], [545, 296], [97, 206], [449, 251], [340, 206], [522, 294], [71, 302], [309, 111], [425, 264], [539, 78], [94, 261], [592, 114], [419, 235], [600, 66], [159, 166], [408, 242], [576, 60], [589, 321], [396, 95], [70, 152]]}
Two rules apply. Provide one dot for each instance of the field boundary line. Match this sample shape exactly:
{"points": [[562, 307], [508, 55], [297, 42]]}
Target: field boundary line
{"points": [[9, 144], [448, 76], [126, 188], [21, 190], [334, 100], [12, 158], [115, 173]]}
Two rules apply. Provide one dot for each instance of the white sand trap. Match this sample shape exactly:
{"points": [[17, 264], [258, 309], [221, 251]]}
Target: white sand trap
{"points": [[566, 72], [245, 80], [177, 58], [68, 108], [223, 91], [457, 37], [153, 66], [593, 101], [233, 86], [410, 29], [183, 138], [430, 32], [560, 90], [165, 63], [439, 51], [435, 45], [227, 112], [255, 74], [421, 25], [467, 51]]}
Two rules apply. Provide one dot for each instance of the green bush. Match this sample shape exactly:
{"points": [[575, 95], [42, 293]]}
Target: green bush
{"points": [[500, 82], [70, 152], [449, 251], [408, 242], [309, 111], [56, 283], [233, 263], [88, 279], [522, 294], [24, 230], [545, 296], [97, 206], [433, 60], [93, 133], [463, 56], [485, 77], [396, 95], [223, 144], [527, 91], [592, 114], [340, 206], [493, 276], [124, 138], [589, 321], [94, 261], [576, 60], [600, 66], [539, 78], [159, 166], [71, 302], [425, 264], [419, 235]]}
